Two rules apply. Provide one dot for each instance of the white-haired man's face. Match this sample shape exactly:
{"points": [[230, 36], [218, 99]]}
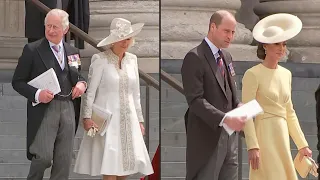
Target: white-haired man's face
{"points": [[54, 30]]}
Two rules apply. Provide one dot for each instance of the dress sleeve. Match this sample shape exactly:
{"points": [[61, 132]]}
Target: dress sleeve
{"points": [[249, 91], [293, 123], [94, 78], [136, 91]]}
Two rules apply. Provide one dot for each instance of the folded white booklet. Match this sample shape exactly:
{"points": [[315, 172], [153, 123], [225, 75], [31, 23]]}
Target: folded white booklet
{"points": [[47, 80], [250, 109]]}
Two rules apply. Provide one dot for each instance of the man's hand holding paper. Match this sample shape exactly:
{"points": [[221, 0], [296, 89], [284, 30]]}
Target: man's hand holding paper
{"points": [[45, 96], [235, 119], [235, 123], [48, 85]]}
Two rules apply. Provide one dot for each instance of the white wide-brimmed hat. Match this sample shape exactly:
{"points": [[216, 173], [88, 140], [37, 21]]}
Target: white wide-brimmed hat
{"points": [[277, 28], [120, 29]]}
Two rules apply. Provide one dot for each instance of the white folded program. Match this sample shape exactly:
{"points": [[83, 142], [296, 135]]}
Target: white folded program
{"points": [[249, 109]]}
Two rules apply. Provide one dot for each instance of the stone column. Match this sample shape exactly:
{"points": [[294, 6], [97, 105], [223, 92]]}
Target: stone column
{"points": [[305, 47], [246, 15], [11, 32], [184, 23], [146, 42]]}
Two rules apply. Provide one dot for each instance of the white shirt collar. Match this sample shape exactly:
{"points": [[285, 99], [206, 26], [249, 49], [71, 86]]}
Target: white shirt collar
{"points": [[52, 44], [213, 48]]}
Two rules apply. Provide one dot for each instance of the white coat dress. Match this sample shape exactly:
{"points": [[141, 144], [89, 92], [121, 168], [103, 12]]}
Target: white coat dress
{"points": [[121, 151]]}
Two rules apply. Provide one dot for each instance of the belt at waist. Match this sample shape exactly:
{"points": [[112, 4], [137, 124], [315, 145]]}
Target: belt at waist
{"points": [[266, 115], [62, 98]]}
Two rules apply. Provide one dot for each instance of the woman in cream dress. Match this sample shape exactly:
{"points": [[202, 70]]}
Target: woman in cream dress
{"points": [[113, 84], [267, 137]]}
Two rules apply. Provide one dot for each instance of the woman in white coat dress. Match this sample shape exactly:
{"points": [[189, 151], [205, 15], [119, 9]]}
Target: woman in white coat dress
{"points": [[113, 84]]}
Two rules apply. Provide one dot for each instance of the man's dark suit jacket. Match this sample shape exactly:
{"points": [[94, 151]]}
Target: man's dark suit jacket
{"points": [[36, 58], [78, 11], [207, 102], [317, 96]]}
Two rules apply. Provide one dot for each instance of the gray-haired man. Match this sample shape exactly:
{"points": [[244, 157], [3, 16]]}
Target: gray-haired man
{"points": [[52, 123]]}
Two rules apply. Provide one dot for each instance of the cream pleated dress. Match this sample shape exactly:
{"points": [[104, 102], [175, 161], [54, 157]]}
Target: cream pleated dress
{"points": [[121, 151], [270, 131]]}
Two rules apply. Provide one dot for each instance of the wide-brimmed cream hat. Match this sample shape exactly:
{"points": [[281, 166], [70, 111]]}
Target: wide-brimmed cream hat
{"points": [[120, 29], [277, 28]]}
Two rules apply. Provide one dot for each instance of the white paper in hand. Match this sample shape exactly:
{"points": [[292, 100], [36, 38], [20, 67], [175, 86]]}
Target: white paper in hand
{"points": [[47, 80], [250, 109]]}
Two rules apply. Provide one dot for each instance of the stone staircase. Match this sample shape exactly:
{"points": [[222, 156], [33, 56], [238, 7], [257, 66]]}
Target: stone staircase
{"points": [[173, 137]]}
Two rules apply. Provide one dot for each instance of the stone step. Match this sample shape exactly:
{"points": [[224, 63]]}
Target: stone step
{"points": [[13, 102], [173, 124], [21, 171], [173, 169], [9, 156], [19, 142], [178, 154], [174, 139], [172, 154], [12, 127], [177, 171], [178, 139]]}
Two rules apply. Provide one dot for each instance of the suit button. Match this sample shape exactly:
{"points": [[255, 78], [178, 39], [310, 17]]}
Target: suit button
{"points": [[225, 106]]}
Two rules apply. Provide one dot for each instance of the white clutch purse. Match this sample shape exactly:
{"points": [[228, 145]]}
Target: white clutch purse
{"points": [[305, 166], [101, 117]]}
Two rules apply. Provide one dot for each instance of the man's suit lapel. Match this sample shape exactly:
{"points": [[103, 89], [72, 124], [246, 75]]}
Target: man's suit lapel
{"points": [[72, 70], [46, 54], [67, 52], [227, 62], [213, 65]]}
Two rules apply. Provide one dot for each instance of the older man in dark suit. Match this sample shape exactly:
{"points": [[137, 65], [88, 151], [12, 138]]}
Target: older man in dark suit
{"points": [[210, 89], [52, 123]]}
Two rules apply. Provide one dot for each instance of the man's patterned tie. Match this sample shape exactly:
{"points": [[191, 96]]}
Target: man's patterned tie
{"points": [[220, 63], [57, 49]]}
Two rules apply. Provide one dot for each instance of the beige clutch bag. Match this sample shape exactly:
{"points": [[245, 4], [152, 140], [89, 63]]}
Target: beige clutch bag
{"points": [[101, 117], [305, 166]]}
